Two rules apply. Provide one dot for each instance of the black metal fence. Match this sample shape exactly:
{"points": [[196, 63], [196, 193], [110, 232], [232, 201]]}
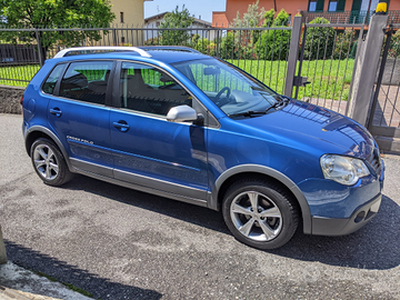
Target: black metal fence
{"points": [[385, 117], [262, 52], [325, 57], [327, 60], [348, 17]]}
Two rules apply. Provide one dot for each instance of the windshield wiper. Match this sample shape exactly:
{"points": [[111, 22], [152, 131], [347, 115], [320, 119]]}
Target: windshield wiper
{"points": [[249, 113], [284, 101]]}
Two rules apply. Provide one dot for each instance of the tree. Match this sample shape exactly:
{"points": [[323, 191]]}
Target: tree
{"points": [[50, 14], [252, 18], [176, 19]]}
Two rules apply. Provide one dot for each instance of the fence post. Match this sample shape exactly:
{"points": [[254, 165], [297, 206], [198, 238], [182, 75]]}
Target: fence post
{"points": [[367, 63], [3, 255], [115, 39], [217, 50], [293, 55], [39, 46]]}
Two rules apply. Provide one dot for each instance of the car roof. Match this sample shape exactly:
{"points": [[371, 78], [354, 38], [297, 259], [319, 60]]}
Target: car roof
{"points": [[157, 53]]}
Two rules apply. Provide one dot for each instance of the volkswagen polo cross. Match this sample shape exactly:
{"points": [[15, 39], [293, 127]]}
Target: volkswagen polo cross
{"points": [[179, 124]]}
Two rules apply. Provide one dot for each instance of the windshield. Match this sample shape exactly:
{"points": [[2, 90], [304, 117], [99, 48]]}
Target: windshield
{"points": [[232, 90]]}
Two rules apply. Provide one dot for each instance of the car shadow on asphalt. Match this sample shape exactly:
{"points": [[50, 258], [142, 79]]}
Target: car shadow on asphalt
{"points": [[375, 246], [97, 286]]}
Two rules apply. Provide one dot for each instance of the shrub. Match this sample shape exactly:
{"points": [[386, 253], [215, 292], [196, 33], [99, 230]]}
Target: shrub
{"points": [[319, 40], [345, 44], [395, 45], [274, 44]]}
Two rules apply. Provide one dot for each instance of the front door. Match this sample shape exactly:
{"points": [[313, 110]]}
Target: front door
{"points": [[150, 151]]}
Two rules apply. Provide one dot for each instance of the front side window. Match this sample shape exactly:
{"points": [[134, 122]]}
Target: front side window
{"points": [[51, 81], [232, 90], [146, 89], [86, 81]]}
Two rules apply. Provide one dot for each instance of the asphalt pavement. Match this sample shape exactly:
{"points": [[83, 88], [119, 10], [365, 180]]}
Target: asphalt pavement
{"points": [[118, 243]]}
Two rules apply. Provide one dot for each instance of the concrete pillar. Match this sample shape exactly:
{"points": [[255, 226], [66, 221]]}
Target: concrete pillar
{"points": [[293, 55], [3, 255], [367, 63]]}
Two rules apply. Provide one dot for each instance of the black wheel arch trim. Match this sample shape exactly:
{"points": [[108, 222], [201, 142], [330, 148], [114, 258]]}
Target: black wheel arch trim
{"points": [[251, 168], [52, 136]]}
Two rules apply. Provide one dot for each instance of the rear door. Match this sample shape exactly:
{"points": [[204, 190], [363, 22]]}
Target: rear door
{"points": [[79, 116]]}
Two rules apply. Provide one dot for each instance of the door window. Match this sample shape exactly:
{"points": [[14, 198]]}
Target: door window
{"points": [[86, 81], [146, 89]]}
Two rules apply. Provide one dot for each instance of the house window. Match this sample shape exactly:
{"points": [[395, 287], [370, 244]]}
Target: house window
{"points": [[290, 19], [336, 5], [121, 17], [332, 6], [316, 5], [312, 6], [158, 24]]}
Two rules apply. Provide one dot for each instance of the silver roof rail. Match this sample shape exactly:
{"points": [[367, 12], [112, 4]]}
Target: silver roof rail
{"points": [[65, 52], [166, 48]]}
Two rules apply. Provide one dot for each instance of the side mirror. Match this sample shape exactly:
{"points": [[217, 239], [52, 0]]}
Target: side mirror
{"points": [[182, 113]]}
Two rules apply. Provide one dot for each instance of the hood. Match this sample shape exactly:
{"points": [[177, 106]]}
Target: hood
{"points": [[312, 125]]}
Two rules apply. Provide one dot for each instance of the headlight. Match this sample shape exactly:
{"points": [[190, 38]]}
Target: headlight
{"points": [[342, 169]]}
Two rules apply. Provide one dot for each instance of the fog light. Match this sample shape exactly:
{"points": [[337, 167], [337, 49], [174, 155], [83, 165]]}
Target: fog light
{"points": [[359, 217]]}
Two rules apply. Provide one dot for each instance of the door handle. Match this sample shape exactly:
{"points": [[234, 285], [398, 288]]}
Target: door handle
{"points": [[121, 126], [56, 112]]}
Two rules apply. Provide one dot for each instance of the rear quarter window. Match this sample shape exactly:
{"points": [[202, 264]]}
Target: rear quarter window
{"points": [[51, 81]]}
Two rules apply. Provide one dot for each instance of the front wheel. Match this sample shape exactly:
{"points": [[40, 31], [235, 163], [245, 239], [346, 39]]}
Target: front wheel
{"points": [[260, 214], [49, 163]]}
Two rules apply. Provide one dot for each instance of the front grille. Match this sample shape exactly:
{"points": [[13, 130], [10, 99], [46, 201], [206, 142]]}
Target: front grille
{"points": [[375, 161]]}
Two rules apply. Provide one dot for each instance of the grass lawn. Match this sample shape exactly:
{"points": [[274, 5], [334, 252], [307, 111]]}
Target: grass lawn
{"points": [[329, 79], [11, 75]]}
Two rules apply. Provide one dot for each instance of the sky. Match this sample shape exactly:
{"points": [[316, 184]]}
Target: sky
{"points": [[204, 8]]}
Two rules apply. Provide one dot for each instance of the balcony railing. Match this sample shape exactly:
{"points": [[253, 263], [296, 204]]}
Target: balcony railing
{"points": [[348, 17]]}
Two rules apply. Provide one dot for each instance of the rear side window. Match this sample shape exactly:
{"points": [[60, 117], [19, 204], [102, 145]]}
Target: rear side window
{"points": [[86, 81], [51, 81]]}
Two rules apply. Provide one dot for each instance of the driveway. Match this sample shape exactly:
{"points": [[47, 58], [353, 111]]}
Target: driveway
{"points": [[118, 243]]}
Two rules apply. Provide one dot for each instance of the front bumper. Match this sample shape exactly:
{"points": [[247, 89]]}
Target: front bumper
{"points": [[332, 227], [339, 210]]}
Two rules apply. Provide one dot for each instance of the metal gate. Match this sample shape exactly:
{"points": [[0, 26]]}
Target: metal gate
{"points": [[326, 64], [384, 120]]}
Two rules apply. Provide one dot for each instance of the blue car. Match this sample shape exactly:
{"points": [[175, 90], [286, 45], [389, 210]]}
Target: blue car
{"points": [[179, 124]]}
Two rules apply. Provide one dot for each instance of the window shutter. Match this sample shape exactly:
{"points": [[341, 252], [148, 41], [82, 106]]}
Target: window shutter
{"points": [[320, 5], [340, 5]]}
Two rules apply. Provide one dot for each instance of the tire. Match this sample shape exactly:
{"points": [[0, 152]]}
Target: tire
{"points": [[260, 214], [49, 163]]}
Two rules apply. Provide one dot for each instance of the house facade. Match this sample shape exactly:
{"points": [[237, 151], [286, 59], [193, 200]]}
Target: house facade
{"points": [[128, 12], [345, 11], [198, 26]]}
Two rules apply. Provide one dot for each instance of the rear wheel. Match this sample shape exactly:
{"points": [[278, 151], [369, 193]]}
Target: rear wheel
{"points": [[49, 163], [260, 214]]}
